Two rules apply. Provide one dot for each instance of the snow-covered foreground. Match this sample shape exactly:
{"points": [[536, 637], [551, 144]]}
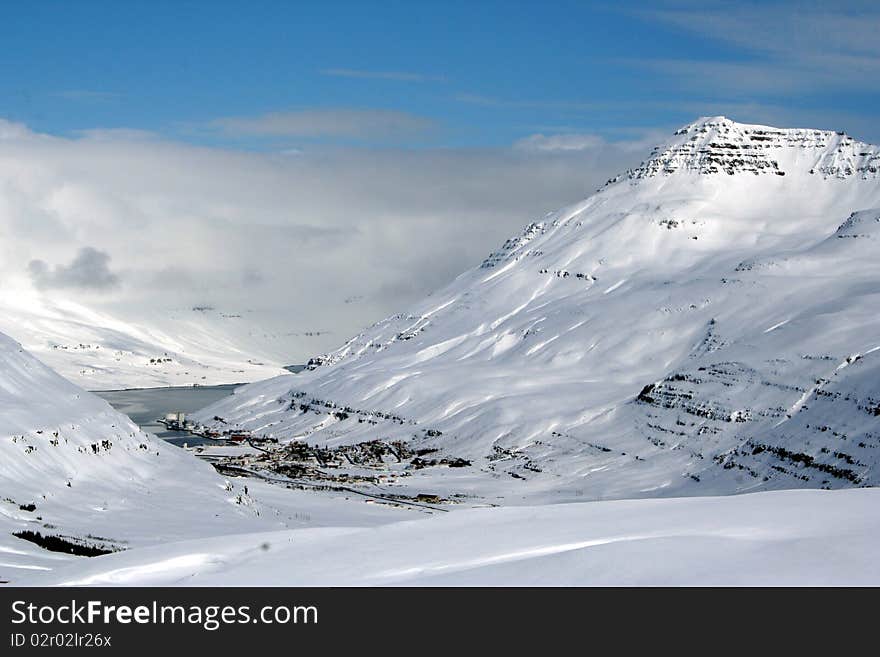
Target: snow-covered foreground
{"points": [[775, 538]]}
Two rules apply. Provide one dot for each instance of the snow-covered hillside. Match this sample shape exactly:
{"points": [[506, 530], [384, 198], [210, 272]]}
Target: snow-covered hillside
{"points": [[781, 538], [99, 350], [705, 323], [76, 472]]}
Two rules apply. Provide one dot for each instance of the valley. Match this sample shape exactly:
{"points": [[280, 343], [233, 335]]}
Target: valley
{"points": [[685, 363]]}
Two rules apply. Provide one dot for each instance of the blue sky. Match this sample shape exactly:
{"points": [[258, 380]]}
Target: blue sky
{"points": [[286, 75]]}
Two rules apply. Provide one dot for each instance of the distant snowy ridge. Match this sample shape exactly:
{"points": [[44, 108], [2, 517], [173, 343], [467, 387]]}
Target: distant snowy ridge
{"points": [[101, 351], [701, 325]]}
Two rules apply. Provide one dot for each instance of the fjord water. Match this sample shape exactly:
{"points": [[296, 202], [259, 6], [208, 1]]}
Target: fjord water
{"points": [[146, 405]]}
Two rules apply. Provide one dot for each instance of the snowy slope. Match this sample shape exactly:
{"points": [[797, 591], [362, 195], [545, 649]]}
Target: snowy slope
{"points": [[777, 538], [705, 323], [99, 350], [72, 467]]}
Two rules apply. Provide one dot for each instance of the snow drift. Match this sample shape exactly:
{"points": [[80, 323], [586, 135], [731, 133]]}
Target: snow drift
{"points": [[783, 538]]}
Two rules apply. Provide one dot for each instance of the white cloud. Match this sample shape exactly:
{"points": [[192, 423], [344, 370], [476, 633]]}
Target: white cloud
{"points": [[793, 29], [88, 95], [366, 123], [291, 237], [806, 74], [9, 130], [564, 142], [118, 134], [782, 48], [400, 76], [89, 270], [530, 103]]}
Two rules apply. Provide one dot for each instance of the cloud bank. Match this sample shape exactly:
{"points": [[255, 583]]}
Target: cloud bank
{"points": [[89, 270], [328, 240], [325, 123]]}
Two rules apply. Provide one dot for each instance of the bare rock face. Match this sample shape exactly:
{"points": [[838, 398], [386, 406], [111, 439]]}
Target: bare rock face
{"points": [[515, 247], [719, 145]]}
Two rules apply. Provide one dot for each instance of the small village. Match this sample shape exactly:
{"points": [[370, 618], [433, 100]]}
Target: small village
{"points": [[357, 469]]}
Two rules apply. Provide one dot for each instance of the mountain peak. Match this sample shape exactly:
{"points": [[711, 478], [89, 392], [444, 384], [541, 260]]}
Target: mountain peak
{"points": [[703, 121], [718, 145]]}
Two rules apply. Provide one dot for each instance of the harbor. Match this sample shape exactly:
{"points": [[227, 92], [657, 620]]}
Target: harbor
{"points": [[159, 410]]}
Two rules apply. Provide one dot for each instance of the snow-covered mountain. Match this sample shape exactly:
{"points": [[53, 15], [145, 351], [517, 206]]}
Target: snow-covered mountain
{"points": [[77, 475], [101, 350], [705, 323]]}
